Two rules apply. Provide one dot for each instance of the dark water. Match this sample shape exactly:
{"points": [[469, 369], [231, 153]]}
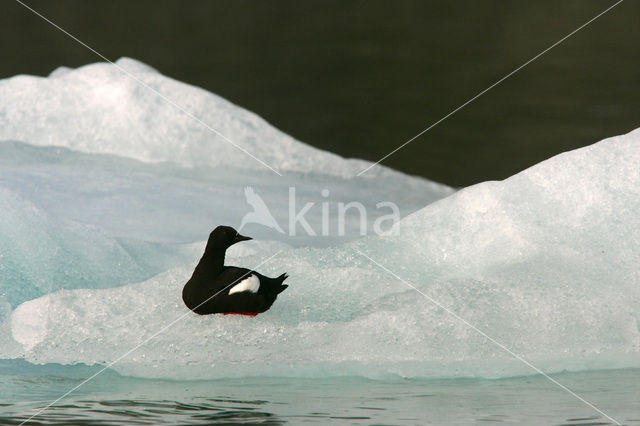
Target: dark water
{"points": [[360, 78], [113, 399]]}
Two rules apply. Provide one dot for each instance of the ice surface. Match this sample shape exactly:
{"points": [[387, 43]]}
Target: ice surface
{"points": [[544, 262], [40, 253]]}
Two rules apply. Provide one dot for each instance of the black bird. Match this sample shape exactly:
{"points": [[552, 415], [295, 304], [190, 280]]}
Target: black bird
{"points": [[214, 288]]}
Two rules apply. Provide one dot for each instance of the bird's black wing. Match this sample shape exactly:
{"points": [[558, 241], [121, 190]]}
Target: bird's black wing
{"points": [[237, 302], [231, 276], [218, 299]]}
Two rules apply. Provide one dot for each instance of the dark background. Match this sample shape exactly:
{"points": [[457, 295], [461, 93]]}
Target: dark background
{"points": [[360, 78]]}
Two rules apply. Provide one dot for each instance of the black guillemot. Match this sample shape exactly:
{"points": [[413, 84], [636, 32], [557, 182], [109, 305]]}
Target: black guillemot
{"points": [[214, 288]]}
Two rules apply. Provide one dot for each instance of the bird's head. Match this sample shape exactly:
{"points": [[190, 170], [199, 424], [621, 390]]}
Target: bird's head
{"points": [[224, 237]]}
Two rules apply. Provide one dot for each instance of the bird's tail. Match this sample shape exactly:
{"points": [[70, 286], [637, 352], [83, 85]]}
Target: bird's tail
{"points": [[280, 280]]}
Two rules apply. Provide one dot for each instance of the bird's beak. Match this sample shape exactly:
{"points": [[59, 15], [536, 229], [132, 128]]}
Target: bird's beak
{"points": [[239, 238]]}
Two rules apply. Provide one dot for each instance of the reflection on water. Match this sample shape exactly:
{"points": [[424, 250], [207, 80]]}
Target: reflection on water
{"points": [[227, 411], [113, 399], [125, 411]]}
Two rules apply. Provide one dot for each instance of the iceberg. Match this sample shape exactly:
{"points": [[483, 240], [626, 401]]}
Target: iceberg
{"points": [[121, 189], [97, 171]]}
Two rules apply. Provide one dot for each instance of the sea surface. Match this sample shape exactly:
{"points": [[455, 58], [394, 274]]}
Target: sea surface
{"points": [[114, 399]]}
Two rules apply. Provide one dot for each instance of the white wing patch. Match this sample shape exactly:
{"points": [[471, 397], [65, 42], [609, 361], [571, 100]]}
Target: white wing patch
{"points": [[251, 283]]}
